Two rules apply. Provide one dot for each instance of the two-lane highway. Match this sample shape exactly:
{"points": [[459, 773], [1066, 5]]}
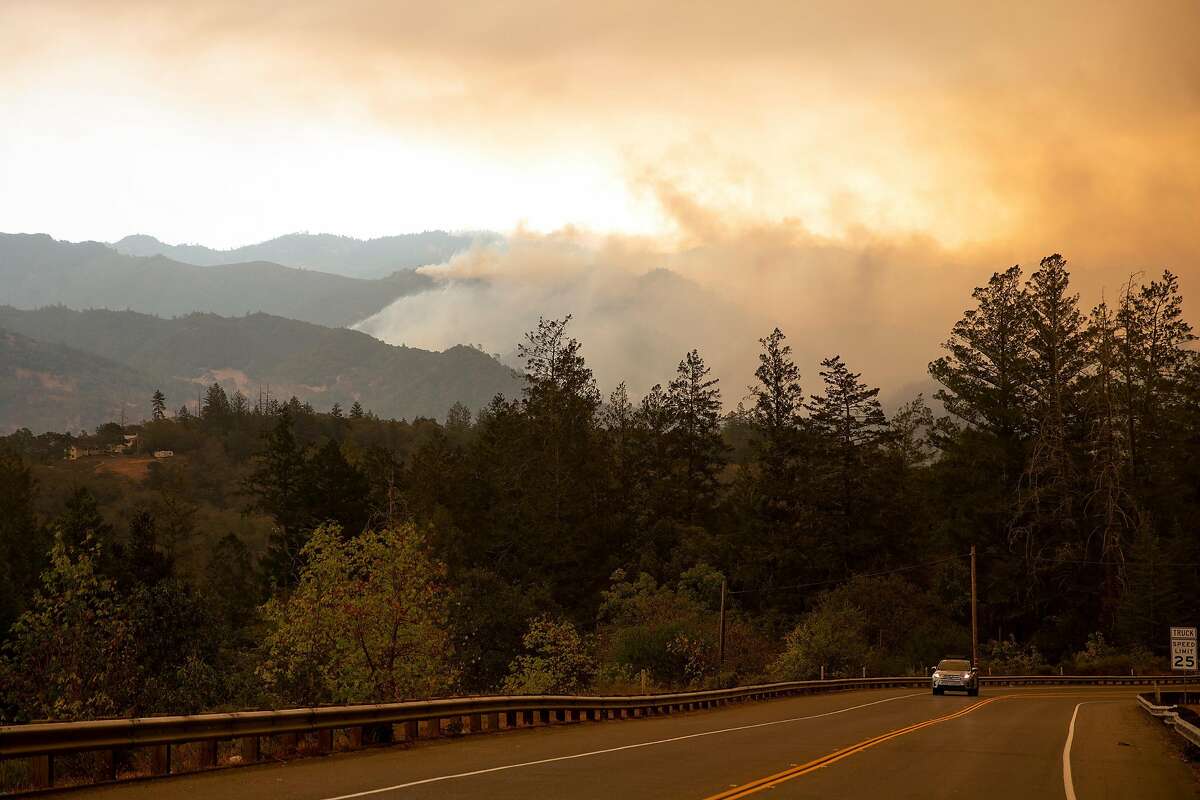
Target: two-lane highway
{"points": [[1079, 744]]}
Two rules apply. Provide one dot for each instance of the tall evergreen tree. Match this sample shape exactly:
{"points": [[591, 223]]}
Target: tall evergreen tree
{"points": [[1153, 359], [158, 405], [277, 488], [559, 465], [851, 424], [336, 491], [24, 542], [983, 375], [1107, 503], [695, 442], [215, 409], [848, 413], [1057, 357]]}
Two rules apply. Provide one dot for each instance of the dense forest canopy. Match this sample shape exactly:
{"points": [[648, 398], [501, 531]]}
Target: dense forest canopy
{"points": [[562, 540]]}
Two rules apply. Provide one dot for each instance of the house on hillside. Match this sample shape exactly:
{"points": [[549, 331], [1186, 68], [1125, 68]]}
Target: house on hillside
{"points": [[163, 453], [84, 448]]}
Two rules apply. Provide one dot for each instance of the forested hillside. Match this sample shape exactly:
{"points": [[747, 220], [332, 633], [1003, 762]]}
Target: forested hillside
{"points": [[254, 353], [49, 386], [341, 255], [565, 541], [36, 271]]}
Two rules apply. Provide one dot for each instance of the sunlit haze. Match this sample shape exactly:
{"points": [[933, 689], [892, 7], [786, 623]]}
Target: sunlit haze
{"points": [[786, 156]]}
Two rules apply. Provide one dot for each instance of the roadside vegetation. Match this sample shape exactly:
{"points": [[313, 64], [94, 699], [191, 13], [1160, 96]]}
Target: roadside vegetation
{"points": [[565, 541]]}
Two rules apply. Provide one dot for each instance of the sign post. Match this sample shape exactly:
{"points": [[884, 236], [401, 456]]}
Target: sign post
{"points": [[1183, 649]]}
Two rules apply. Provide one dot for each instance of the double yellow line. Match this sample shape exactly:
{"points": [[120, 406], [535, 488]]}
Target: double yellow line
{"points": [[803, 769]]}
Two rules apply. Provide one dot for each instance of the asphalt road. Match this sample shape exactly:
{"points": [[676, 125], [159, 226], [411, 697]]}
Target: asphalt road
{"points": [[872, 744]]}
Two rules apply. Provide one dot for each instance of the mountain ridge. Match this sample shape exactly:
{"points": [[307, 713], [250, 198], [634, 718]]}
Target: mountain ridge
{"points": [[340, 255], [317, 364], [37, 270]]}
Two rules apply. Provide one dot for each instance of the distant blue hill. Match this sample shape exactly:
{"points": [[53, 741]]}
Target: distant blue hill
{"points": [[36, 271], [341, 255]]}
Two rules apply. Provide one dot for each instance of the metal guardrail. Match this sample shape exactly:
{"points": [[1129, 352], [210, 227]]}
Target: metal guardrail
{"points": [[1173, 716], [1152, 709], [41, 742], [1086, 680], [1186, 729]]}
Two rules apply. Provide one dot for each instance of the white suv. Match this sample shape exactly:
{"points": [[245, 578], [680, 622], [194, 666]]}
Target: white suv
{"points": [[957, 674]]}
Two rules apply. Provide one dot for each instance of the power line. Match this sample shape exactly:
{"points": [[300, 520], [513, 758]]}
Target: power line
{"points": [[908, 568]]}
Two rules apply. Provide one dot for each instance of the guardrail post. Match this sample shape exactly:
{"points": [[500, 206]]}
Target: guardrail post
{"points": [[288, 742], [208, 753], [510, 719], [474, 723], [493, 722], [325, 741], [560, 715], [433, 728], [41, 771], [594, 714], [108, 766], [251, 749], [412, 729], [160, 759], [356, 737]]}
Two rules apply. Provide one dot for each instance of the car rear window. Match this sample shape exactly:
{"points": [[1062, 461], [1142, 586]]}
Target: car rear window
{"points": [[955, 666]]}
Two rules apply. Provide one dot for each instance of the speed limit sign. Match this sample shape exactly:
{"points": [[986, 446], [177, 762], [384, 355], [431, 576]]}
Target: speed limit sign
{"points": [[1183, 649]]}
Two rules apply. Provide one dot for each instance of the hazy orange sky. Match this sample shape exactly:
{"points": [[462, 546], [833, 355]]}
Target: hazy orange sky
{"points": [[909, 147]]}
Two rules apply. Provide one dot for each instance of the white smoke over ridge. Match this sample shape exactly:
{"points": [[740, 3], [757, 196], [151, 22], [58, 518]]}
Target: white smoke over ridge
{"points": [[885, 304], [640, 304]]}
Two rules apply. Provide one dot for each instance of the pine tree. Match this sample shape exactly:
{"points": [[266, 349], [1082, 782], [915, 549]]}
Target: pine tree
{"points": [[356, 410], [1153, 358], [336, 411], [1057, 357], [850, 422], [695, 442], [458, 417], [215, 410], [984, 372], [143, 563], [82, 521], [335, 490], [1107, 502], [848, 413], [277, 485], [158, 405], [24, 542], [778, 397], [240, 405]]}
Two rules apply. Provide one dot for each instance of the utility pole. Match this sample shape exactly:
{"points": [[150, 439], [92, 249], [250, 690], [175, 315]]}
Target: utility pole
{"points": [[974, 615], [721, 634]]}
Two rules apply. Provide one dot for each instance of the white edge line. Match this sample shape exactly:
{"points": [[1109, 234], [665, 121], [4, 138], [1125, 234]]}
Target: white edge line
{"points": [[503, 767], [1068, 781]]}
